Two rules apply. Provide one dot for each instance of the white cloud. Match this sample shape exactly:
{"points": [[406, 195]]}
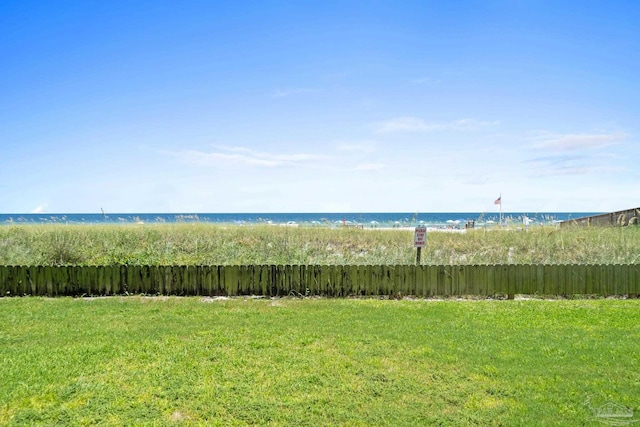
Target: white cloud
{"points": [[283, 93], [575, 154], [369, 167], [425, 80], [581, 164], [39, 209], [361, 148], [576, 142], [415, 124], [245, 156]]}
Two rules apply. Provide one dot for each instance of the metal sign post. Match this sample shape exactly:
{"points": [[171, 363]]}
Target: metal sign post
{"points": [[419, 241]]}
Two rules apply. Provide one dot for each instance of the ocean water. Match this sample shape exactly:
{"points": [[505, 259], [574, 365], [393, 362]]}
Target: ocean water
{"points": [[366, 219]]}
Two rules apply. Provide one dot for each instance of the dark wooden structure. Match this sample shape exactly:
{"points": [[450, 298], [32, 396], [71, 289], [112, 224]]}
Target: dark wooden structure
{"points": [[617, 218], [422, 281]]}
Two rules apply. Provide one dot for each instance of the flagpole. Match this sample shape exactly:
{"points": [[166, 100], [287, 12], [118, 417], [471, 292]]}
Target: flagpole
{"points": [[501, 209]]}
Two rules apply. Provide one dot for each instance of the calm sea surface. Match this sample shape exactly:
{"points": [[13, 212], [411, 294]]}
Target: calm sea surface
{"points": [[367, 219]]}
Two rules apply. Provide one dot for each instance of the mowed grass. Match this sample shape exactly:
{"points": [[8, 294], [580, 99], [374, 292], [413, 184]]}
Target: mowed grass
{"points": [[198, 244], [192, 361]]}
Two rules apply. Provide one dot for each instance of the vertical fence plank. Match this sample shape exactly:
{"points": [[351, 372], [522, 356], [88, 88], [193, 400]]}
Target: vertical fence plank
{"points": [[634, 277], [351, 282], [571, 279], [496, 273], [177, 274], [94, 280], [192, 288], [581, 279], [12, 279], [477, 282], [246, 281], [596, 272], [622, 278], [500, 280], [324, 279], [427, 274], [440, 280], [358, 281], [457, 280], [322, 276], [538, 273], [526, 279], [588, 279], [288, 279], [471, 275], [560, 272], [309, 279], [400, 280], [362, 281], [254, 273], [69, 282], [22, 282], [216, 286], [100, 280], [232, 277], [296, 280], [364, 278], [517, 279], [550, 286], [491, 279], [107, 282], [387, 281], [32, 277], [38, 276], [206, 280], [419, 281], [447, 280], [375, 278], [606, 280], [4, 277], [329, 278], [578, 279], [337, 278]]}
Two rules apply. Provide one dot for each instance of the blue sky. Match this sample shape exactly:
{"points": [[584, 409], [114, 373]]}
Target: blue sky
{"points": [[332, 106]]}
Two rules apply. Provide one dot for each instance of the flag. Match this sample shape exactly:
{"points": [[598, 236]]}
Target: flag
{"points": [[498, 201]]}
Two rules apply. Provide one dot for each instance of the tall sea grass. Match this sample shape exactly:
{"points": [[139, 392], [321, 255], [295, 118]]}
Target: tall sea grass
{"points": [[199, 244]]}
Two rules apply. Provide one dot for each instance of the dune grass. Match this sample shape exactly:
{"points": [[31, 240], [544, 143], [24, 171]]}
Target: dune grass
{"points": [[196, 244], [186, 361]]}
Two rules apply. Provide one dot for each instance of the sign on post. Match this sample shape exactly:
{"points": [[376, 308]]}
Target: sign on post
{"points": [[420, 237]]}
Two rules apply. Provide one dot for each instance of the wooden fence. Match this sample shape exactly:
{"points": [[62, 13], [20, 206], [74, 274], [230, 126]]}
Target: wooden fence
{"points": [[618, 218], [326, 280]]}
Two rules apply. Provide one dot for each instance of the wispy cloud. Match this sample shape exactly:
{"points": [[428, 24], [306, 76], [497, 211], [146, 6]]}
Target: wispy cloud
{"points": [[577, 142], [39, 209], [358, 147], [425, 80], [564, 170], [283, 93], [415, 124], [246, 156], [369, 167], [569, 165], [574, 154]]}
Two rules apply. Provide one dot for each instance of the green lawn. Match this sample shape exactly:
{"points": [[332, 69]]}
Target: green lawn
{"points": [[185, 361]]}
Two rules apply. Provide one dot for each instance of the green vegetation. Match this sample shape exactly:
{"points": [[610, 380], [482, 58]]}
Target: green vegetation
{"points": [[197, 244], [192, 361]]}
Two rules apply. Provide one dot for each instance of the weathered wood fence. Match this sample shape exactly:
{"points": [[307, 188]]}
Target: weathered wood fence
{"points": [[618, 218], [327, 280]]}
